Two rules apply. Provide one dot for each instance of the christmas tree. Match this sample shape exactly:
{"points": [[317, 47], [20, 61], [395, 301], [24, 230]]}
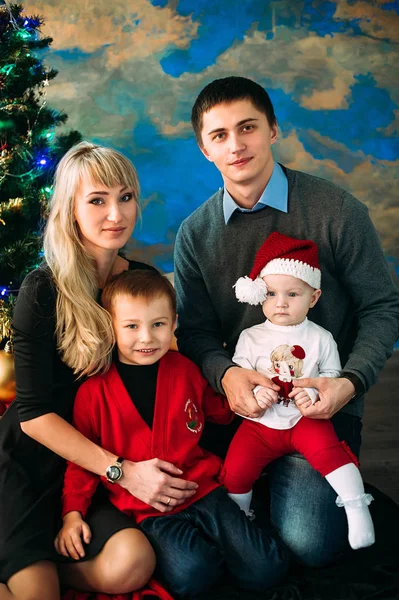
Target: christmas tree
{"points": [[29, 150]]}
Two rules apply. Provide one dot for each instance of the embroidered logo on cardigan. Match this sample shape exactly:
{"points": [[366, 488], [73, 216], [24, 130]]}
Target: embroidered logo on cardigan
{"points": [[193, 422]]}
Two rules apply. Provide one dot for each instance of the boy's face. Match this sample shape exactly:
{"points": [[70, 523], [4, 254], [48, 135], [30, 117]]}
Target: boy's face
{"points": [[143, 328], [237, 138], [288, 299]]}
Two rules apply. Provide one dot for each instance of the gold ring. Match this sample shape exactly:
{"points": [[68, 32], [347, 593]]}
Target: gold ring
{"points": [[169, 500]]}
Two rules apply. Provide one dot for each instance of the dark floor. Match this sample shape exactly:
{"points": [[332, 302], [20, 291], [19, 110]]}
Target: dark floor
{"points": [[379, 458]]}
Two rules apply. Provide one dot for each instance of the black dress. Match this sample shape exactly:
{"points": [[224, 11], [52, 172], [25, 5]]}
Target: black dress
{"points": [[31, 475]]}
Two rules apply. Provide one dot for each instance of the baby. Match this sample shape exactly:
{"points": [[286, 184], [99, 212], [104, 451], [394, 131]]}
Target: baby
{"points": [[286, 279]]}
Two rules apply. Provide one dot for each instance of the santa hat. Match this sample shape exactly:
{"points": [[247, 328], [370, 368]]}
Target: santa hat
{"points": [[279, 255]]}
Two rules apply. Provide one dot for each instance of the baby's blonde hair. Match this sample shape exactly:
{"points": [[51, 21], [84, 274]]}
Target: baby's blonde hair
{"points": [[83, 328]]}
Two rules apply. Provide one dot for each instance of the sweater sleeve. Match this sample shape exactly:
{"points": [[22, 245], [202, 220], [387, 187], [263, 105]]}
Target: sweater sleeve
{"points": [[199, 333], [216, 408], [79, 484], [34, 345], [364, 270]]}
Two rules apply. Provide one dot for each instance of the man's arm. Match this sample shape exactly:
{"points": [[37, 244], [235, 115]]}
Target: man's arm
{"points": [[199, 334], [363, 269]]}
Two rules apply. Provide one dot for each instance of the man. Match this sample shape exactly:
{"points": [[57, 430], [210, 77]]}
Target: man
{"points": [[235, 126]]}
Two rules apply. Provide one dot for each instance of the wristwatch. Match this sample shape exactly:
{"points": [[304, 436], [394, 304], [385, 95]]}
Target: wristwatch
{"points": [[357, 384], [114, 472]]}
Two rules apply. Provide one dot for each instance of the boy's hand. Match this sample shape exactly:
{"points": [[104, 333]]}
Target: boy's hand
{"points": [[301, 398], [265, 397], [69, 539]]}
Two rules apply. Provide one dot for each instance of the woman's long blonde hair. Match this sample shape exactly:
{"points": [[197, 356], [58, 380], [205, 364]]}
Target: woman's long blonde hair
{"points": [[83, 328]]}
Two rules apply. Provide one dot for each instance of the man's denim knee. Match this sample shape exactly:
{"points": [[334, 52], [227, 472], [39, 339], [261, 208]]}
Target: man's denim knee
{"points": [[304, 512], [318, 557], [194, 576], [259, 577], [315, 548]]}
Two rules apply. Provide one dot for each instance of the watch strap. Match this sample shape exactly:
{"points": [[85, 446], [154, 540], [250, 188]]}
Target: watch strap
{"points": [[357, 383]]}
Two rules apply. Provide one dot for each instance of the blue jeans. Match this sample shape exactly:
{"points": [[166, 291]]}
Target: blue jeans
{"points": [[194, 547], [302, 503]]}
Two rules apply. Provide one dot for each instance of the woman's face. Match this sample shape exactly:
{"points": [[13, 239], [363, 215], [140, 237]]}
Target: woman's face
{"points": [[105, 216]]}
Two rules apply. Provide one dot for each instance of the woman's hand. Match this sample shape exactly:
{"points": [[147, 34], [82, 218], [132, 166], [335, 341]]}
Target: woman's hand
{"points": [[69, 539], [156, 483]]}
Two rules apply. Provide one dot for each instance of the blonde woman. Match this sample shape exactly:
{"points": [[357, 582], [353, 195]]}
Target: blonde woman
{"points": [[61, 336]]}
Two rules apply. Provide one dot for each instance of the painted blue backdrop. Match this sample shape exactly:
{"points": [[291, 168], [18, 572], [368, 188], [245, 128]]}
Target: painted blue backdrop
{"points": [[130, 71]]}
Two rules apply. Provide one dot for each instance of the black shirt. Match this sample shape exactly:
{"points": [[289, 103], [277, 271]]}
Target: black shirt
{"points": [[140, 382]]}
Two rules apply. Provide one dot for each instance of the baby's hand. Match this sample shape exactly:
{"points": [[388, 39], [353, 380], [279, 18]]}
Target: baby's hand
{"points": [[265, 397], [69, 539], [301, 398]]}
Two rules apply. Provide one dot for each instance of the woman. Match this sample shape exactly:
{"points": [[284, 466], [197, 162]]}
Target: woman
{"points": [[61, 335]]}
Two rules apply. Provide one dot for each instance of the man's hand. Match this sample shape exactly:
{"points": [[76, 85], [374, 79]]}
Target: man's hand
{"points": [[265, 397], [300, 397], [155, 483], [238, 385], [334, 393], [69, 539]]}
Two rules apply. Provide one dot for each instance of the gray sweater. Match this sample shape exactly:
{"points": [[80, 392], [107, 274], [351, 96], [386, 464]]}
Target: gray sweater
{"points": [[359, 304]]}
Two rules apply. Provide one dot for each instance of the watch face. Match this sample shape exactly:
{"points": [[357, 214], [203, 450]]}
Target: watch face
{"points": [[114, 472]]}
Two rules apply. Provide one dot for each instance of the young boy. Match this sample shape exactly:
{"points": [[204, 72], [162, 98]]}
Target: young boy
{"points": [[285, 279], [152, 404]]}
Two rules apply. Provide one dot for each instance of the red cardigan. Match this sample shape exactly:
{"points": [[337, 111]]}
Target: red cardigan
{"points": [[105, 413]]}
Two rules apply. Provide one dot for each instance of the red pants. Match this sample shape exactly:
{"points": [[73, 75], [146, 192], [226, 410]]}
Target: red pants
{"points": [[255, 445]]}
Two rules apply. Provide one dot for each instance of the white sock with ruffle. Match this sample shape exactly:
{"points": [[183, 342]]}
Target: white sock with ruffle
{"points": [[348, 484]]}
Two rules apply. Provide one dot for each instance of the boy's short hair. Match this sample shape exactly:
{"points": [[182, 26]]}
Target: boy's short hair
{"points": [[140, 283], [229, 89]]}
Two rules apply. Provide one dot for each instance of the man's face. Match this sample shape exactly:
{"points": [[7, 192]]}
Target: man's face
{"points": [[237, 138]]}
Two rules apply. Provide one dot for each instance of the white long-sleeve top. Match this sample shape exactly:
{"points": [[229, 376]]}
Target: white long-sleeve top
{"points": [[256, 345]]}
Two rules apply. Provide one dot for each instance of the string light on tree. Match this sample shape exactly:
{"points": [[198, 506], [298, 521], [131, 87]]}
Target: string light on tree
{"points": [[29, 150]]}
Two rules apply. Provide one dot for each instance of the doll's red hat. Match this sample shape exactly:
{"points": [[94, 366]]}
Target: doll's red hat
{"points": [[279, 255]]}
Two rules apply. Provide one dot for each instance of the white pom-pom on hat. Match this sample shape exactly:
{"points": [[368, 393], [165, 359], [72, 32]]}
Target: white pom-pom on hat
{"points": [[251, 291]]}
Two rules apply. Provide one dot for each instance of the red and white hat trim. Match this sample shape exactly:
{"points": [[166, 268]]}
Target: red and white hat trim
{"points": [[295, 268]]}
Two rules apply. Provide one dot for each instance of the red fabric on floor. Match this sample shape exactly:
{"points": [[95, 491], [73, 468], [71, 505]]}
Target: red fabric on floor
{"points": [[152, 591]]}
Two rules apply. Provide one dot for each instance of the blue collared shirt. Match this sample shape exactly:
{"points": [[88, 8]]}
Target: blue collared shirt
{"points": [[275, 195]]}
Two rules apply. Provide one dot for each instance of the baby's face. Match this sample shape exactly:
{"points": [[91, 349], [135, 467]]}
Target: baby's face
{"points": [[288, 299], [143, 328]]}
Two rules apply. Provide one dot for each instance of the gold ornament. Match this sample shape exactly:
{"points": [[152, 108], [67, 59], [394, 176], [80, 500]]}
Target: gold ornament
{"points": [[6, 312], [7, 377]]}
